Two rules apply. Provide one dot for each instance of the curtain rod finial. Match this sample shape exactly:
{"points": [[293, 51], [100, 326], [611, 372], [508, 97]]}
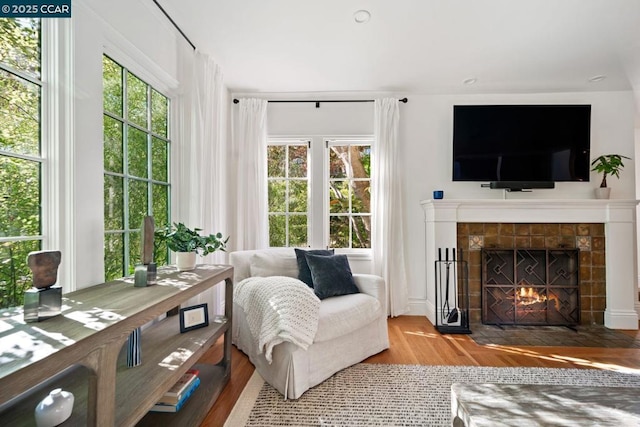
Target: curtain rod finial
{"points": [[236, 100], [404, 100]]}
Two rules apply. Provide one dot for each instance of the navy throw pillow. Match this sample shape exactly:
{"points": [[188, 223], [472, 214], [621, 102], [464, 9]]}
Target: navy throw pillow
{"points": [[304, 273], [331, 275]]}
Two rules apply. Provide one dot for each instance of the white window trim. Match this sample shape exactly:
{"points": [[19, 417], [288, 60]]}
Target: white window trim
{"points": [[318, 172], [57, 147]]}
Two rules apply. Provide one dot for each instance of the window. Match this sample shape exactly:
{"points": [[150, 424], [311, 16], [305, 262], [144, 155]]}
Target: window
{"points": [[136, 166], [320, 192], [288, 185], [349, 187], [21, 158]]}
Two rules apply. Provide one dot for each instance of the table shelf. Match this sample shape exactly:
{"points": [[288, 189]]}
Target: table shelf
{"points": [[86, 349]]}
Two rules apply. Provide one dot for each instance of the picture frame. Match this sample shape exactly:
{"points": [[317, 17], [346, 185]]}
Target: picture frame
{"points": [[194, 317]]}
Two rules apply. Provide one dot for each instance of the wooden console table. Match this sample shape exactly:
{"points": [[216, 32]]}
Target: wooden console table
{"points": [[82, 350]]}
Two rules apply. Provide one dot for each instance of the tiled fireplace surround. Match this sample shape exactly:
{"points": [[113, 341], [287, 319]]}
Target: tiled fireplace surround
{"points": [[589, 238], [608, 277]]}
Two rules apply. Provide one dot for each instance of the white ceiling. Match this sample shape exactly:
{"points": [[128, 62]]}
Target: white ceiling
{"points": [[417, 46]]}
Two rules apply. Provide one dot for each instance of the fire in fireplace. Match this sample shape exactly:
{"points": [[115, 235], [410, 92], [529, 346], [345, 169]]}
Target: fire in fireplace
{"points": [[530, 287]]}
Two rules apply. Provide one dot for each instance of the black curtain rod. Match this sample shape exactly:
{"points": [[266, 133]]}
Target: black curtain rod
{"points": [[404, 100], [174, 24]]}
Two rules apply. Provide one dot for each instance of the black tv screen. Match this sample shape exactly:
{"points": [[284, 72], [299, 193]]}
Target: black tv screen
{"points": [[521, 142]]}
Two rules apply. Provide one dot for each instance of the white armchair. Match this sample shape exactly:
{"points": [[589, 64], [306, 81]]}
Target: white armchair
{"points": [[350, 327]]}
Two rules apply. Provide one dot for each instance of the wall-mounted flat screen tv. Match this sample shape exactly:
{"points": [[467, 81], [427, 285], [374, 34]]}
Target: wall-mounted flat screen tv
{"points": [[544, 143]]}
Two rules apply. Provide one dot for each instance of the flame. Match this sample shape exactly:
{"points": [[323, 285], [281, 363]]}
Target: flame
{"points": [[527, 296]]}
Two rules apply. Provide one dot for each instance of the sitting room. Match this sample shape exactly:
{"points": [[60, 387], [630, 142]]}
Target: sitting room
{"points": [[319, 213]]}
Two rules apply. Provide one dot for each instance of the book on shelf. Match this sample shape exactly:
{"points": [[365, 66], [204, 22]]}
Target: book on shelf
{"points": [[173, 395], [163, 407]]}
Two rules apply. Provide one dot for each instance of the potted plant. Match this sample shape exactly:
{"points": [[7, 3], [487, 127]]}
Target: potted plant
{"points": [[186, 243], [607, 164]]}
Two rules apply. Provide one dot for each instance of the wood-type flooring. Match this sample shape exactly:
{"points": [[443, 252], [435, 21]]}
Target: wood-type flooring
{"points": [[413, 340]]}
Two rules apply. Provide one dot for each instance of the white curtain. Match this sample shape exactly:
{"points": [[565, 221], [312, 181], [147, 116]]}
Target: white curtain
{"points": [[250, 146], [388, 229], [203, 166], [201, 189]]}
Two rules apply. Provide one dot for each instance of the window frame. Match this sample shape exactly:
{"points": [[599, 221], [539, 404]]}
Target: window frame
{"points": [[342, 141], [287, 142], [41, 160], [126, 176], [318, 178]]}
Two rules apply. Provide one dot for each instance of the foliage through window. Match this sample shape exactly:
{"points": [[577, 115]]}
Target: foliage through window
{"points": [[288, 183], [328, 209], [21, 159], [349, 195], [136, 166]]}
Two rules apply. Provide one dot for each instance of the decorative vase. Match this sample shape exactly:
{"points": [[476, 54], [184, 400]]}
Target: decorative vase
{"points": [[186, 261], [54, 409], [602, 192]]}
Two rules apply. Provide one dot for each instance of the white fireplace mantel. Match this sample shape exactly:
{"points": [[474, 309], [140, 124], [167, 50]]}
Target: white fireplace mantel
{"points": [[619, 217]]}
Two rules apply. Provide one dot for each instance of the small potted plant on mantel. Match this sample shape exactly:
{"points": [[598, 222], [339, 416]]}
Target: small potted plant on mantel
{"points": [[186, 243], [607, 164]]}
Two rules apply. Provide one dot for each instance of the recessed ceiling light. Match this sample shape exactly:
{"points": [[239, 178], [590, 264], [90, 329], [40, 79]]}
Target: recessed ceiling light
{"points": [[361, 16], [597, 78], [470, 81]]}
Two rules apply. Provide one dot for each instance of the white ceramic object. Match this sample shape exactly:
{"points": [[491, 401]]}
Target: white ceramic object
{"points": [[54, 409], [186, 261], [602, 192]]}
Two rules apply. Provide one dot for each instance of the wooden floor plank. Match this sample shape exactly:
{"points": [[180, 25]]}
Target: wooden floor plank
{"points": [[415, 341]]}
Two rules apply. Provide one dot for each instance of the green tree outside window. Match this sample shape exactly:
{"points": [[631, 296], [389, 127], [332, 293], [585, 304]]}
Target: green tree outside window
{"points": [[136, 152], [20, 154]]}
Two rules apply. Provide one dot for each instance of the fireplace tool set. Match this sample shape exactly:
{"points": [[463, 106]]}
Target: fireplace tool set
{"points": [[452, 293]]}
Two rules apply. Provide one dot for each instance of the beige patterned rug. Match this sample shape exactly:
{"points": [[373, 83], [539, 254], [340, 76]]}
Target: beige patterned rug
{"points": [[396, 395]]}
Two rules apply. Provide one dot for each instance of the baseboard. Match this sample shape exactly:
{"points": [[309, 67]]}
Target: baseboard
{"points": [[621, 319], [417, 307]]}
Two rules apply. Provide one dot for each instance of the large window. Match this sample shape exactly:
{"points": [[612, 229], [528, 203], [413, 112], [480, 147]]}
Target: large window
{"points": [[21, 158], [349, 182], [136, 166], [320, 192], [288, 192]]}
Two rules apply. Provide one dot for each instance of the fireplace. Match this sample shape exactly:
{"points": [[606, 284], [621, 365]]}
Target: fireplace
{"points": [[530, 287], [608, 278]]}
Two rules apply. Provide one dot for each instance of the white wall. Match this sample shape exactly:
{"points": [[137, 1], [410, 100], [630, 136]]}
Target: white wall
{"points": [[331, 119], [426, 126], [135, 35]]}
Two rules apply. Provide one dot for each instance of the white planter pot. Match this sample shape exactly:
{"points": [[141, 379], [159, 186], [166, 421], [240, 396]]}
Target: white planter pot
{"points": [[602, 192], [186, 261], [54, 409]]}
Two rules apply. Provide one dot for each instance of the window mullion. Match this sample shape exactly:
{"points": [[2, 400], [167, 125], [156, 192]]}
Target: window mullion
{"points": [[125, 171], [149, 155]]}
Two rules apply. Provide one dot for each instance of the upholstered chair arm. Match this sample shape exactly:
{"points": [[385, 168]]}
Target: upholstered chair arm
{"points": [[372, 285]]}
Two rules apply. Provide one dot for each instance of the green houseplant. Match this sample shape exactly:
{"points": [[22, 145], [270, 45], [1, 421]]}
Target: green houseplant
{"points": [[607, 164], [186, 243]]}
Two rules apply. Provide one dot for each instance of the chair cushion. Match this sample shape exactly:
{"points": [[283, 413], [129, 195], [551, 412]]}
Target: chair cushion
{"points": [[273, 264], [344, 314], [331, 275], [304, 273]]}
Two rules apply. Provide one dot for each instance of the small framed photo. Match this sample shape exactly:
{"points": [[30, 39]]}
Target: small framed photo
{"points": [[194, 317]]}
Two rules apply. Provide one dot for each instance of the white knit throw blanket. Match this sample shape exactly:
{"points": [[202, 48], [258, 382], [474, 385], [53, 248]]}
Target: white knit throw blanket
{"points": [[278, 309]]}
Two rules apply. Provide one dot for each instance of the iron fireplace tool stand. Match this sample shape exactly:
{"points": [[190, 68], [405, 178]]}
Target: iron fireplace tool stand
{"points": [[452, 277]]}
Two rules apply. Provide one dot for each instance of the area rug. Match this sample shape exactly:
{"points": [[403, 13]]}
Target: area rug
{"points": [[399, 395], [580, 336]]}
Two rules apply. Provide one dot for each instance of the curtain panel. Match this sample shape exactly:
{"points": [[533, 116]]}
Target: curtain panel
{"points": [[250, 145], [388, 225]]}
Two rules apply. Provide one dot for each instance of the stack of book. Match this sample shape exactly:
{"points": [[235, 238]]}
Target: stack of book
{"points": [[177, 395]]}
